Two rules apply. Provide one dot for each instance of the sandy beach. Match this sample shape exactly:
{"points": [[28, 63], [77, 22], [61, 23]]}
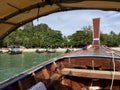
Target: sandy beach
{"points": [[116, 48], [57, 50]]}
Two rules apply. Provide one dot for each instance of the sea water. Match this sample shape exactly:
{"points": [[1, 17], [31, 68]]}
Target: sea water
{"points": [[10, 65]]}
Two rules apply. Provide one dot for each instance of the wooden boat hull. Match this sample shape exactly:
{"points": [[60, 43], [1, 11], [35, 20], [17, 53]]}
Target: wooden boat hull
{"points": [[50, 50], [40, 51], [15, 51], [70, 73]]}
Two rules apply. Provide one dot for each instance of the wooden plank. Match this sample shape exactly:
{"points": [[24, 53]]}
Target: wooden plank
{"points": [[91, 73]]}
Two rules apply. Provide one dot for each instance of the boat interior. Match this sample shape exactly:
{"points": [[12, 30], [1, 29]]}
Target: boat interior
{"points": [[93, 68]]}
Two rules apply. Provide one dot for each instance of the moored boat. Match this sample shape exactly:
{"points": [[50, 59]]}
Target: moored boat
{"points": [[50, 50], [94, 68], [40, 50], [68, 50], [45, 50], [15, 51]]}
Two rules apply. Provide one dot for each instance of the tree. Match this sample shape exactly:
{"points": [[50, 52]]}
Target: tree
{"points": [[43, 36], [81, 37], [37, 36]]}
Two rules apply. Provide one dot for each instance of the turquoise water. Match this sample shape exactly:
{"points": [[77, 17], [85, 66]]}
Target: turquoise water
{"points": [[10, 65]]}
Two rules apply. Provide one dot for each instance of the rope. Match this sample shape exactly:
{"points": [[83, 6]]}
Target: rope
{"points": [[93, 64], [69, 61], [93, 69], [113, 74]]}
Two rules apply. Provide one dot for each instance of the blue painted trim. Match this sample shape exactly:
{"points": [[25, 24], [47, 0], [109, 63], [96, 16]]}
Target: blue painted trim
{"points": [[95, 56], [13, 81]]}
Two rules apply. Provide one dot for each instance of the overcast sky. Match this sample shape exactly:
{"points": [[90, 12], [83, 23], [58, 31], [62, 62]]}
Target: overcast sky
{"points": [[69, 22]]}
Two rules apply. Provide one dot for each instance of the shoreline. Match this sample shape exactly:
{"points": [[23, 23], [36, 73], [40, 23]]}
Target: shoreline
{"points": [[60, 49], [57, 49], [4, 50]]}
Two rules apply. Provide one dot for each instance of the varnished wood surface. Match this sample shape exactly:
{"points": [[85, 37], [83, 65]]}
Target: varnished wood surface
{"points": [[91, 73], [96, 51]]}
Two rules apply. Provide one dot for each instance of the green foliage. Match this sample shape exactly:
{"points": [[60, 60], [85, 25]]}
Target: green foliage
{"points": [[81, 37], [110, 40], [43, 36], [84, 36], [37, 36]]}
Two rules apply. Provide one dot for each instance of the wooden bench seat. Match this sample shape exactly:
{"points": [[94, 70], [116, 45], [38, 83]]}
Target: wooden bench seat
{"points": [[91, 73]]}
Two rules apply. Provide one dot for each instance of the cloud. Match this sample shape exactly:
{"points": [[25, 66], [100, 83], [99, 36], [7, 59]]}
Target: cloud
{"points": [[70, 21]]}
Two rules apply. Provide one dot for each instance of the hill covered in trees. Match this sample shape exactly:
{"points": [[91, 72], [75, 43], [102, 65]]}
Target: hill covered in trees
{"points": [[43, 36]]}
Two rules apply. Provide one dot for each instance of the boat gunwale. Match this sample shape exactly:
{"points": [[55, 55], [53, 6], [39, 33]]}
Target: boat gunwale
{"points": [[93, 56]]}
